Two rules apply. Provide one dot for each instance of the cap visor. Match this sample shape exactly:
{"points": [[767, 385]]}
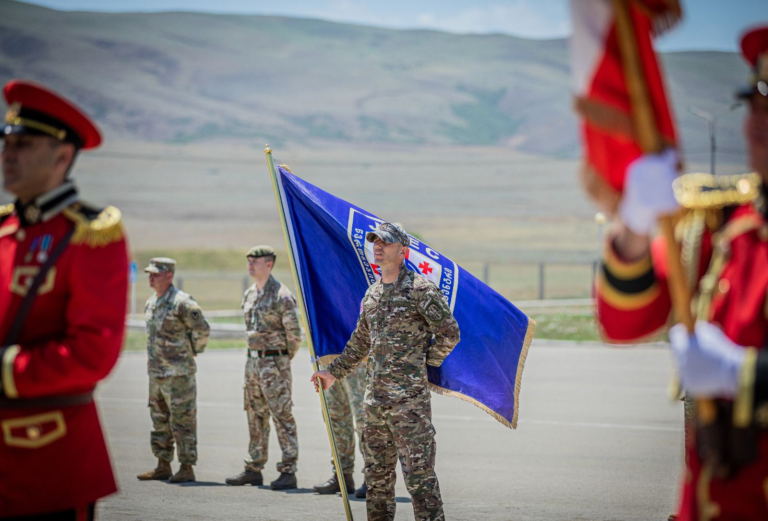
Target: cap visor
{"points": [[151, 269], [372, 236], [746, 92]]}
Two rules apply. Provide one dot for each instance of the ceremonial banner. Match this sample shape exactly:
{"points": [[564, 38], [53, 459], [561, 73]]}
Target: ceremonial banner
{"points": [[619, 88], [334, 267]]}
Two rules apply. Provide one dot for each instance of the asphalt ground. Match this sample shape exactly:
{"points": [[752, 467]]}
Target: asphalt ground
{"points": [[598, 439]]}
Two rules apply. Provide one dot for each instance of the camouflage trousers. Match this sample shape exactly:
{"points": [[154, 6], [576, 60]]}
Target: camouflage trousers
{"points": [[345, 408], [173, 408], [403, 431], [268, 393]]}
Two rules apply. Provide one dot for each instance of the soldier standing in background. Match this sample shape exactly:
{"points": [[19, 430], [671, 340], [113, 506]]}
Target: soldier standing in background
{"points": [[345, 409], [61, 334], [176, 333], [404, 325], [274, 337]]}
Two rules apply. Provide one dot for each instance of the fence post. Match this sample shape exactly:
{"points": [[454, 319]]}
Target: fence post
{"points": [[541, 281], [180, 283], [245, 283], [486, 273], [595, 266]]}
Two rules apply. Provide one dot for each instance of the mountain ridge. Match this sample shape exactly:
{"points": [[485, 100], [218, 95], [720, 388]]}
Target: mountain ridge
{"points": [[185, 77]]}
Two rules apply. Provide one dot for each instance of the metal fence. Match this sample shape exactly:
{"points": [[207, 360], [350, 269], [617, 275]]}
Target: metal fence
{"points": [[516, 281]]}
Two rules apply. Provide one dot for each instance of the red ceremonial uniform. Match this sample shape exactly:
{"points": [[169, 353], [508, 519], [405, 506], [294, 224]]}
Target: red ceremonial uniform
{"points": [[633, 302], [55, 458]]}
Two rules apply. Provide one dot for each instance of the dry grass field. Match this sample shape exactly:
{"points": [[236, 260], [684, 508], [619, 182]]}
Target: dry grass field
{"points": [[206, 205], [469, 141]]}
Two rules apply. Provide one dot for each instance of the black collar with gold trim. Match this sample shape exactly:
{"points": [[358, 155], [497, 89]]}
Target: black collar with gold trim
{"points": [[48, 205]]}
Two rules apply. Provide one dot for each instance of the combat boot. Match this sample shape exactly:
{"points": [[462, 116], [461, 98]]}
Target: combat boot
{"points": [[247, 477], [362, 491], [163, 471], [332, 485], [286, 481], [185, 474]]}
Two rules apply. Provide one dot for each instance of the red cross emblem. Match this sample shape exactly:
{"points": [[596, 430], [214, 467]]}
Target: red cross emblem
{"points": [[425, 269], [376, 269]]}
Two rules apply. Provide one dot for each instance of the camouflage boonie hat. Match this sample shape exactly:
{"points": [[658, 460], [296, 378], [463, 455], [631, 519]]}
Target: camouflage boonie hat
{"points": [[261, 251], [390, 233], [161, 265]]}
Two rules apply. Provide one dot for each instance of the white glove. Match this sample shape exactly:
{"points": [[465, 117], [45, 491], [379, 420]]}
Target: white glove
{"points": [[648, 191], [708, 361]]}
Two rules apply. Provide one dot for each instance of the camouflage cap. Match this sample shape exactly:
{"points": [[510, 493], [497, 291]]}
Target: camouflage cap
{"points": [[161, 265], [261, 250], [390, 233]]}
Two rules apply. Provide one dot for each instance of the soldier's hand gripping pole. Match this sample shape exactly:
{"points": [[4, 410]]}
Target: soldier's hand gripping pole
{"points": [[304, 316]]}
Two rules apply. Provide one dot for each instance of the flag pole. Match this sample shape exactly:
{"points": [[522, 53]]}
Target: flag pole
{"points": [[651, 142], [305, 319]]}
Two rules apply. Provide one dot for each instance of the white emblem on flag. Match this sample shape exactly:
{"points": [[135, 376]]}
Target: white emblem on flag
{"points": [[420, 258]]}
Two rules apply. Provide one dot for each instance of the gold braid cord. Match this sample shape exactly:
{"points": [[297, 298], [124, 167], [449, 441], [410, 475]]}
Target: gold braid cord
{"points": [[6, 209], [105, 229]]}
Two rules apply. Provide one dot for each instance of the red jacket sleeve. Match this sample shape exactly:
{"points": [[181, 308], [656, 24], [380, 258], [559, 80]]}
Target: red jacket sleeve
{"points": [[633, 301], [632, 297]]}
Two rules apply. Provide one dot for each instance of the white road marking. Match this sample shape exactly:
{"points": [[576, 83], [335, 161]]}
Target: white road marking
{"points": [[443, 417]]}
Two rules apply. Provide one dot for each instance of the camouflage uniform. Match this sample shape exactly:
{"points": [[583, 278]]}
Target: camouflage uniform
{"points": [[402, 328], [274, 337], [345, 402], [177, 331]]}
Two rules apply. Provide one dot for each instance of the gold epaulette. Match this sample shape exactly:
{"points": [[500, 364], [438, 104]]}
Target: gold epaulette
{"points": [[707, 191], [6, 209], [105, 228]]}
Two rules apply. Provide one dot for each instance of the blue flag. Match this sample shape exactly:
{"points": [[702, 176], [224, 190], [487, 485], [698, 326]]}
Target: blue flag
{"points": [[334, 266]]}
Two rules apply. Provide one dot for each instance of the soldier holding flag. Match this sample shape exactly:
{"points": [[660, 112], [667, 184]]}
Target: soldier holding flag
{"points": [[405, 325]]}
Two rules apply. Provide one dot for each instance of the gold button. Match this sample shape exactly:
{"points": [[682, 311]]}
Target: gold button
{"points": [[21, 235], [33, 432], [724, 285]]}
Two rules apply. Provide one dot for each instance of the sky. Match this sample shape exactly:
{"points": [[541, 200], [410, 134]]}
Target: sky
{"points": [[708, 24]]}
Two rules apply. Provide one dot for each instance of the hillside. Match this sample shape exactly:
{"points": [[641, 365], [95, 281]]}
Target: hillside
{"points": [[182, 78]]}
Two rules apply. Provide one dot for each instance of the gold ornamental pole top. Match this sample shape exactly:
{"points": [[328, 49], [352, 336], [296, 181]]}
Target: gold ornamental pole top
{"points": [[707, 191]]}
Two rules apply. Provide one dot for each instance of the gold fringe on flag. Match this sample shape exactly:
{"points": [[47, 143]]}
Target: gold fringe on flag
{"points": [[599, 190]]}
